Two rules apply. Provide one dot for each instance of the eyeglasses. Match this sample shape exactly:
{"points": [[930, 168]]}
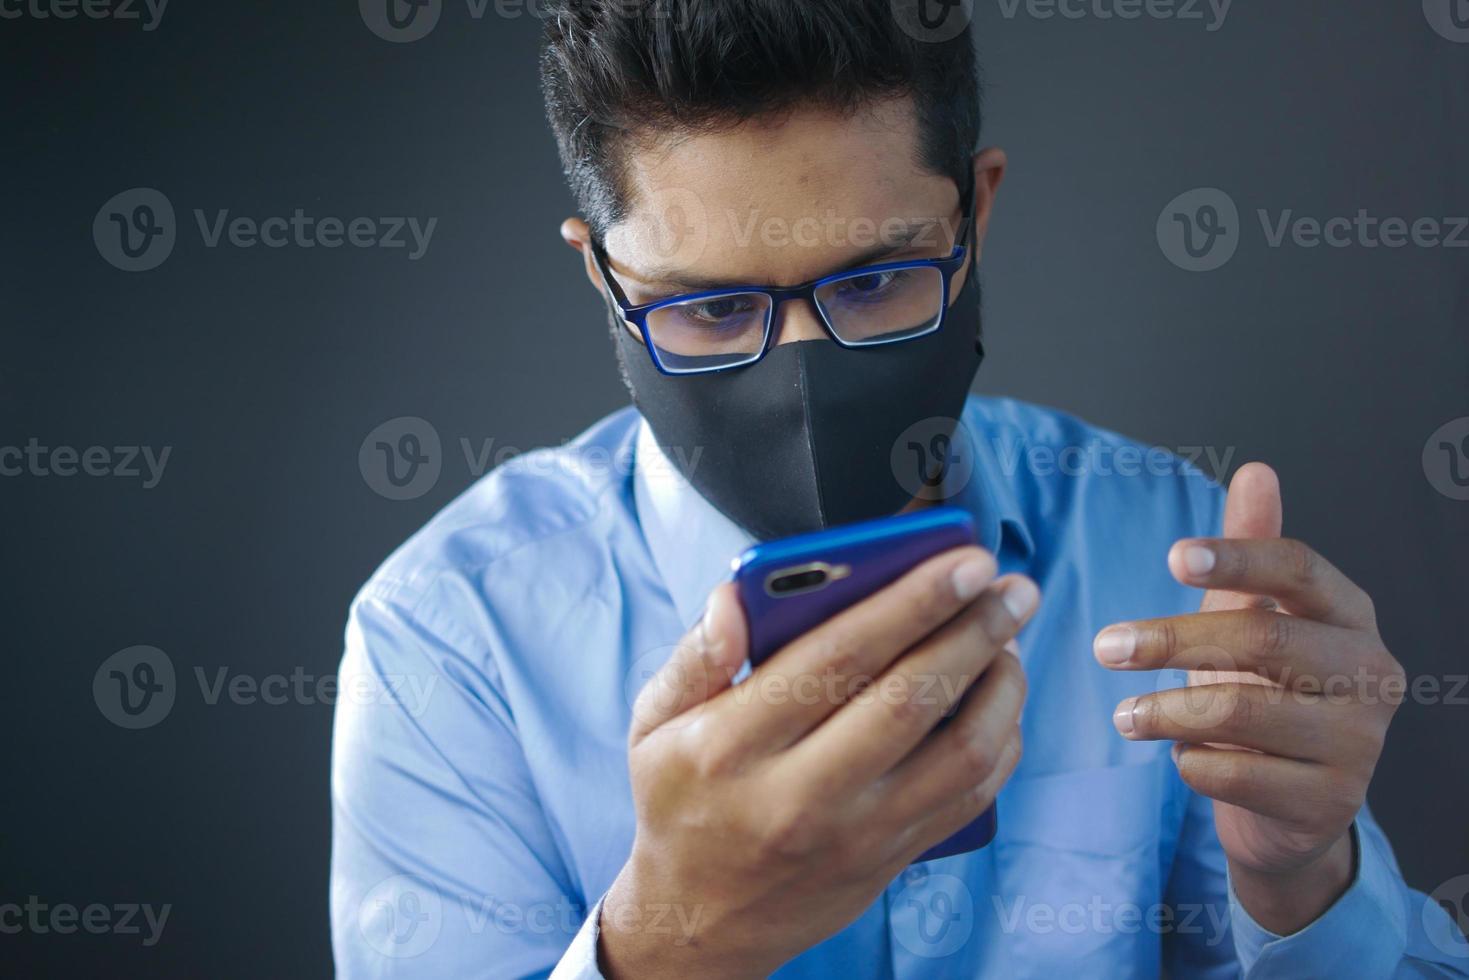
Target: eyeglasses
{"points": [[698, 333]]}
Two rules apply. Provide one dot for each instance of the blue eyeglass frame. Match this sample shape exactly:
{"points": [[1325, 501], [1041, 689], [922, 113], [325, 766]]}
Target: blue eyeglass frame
{"points": [[638, 315]]}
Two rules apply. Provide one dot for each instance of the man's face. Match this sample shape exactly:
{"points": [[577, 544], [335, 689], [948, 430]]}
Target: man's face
{"points": [[783, 200]]}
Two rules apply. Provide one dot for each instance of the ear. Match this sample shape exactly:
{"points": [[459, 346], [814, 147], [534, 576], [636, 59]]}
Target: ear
{"points": [[576, 233], [989, 171]]}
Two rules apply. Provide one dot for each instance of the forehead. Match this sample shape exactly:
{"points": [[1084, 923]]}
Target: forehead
{"points": [[776, 199]]}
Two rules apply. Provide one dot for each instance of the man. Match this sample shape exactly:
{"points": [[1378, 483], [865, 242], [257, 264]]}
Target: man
{"points": [[784, 212]]}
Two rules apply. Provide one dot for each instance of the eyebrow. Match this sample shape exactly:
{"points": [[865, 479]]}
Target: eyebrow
{"points": [[669, 280]]}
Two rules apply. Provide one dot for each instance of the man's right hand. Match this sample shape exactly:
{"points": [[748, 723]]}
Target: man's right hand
{"points": [[769, 818]]}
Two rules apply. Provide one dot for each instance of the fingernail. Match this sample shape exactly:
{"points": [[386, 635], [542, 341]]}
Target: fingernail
{"points": [[1115, 645], [1176, 751], [1198, 560], [1020, 597], [1122, 717], [971, 577]]}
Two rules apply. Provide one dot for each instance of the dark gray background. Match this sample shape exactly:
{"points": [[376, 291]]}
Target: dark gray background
{"points": [[265, 369]]}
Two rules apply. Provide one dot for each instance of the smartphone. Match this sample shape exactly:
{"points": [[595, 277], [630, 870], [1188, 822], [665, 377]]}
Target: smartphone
{"points": [[790, 586]]}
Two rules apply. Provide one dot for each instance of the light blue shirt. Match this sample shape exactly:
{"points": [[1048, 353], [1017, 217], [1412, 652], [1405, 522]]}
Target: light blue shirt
{"points": [[481, 801]]}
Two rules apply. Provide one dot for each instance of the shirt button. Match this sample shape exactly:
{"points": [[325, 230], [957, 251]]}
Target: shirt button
{"points": [[914, 875]]}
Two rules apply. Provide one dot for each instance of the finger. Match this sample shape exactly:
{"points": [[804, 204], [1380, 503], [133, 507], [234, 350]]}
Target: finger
{"points": [[871, 734], [1287, 649], [1289, 724], [1285, 789], [962, 753], [703, 664], [952, 817], [839, 656], [1286, 570], [1252, 509]]}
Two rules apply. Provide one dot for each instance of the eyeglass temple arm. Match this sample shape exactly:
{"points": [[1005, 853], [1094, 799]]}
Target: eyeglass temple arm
{"points": [[609, 281]]}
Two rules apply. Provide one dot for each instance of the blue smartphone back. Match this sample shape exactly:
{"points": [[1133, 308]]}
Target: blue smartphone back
{"points": [[851, 562], [868, 555]]}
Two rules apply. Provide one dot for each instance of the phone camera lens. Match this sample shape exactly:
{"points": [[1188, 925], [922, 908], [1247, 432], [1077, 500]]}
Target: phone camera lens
{"points": [[798, 582]]}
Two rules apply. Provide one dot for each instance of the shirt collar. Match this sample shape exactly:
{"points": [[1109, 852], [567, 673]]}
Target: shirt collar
{"points": [[989, 489], [692, 543]]}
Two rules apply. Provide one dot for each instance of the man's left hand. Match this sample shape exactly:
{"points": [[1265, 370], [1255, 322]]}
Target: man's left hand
{"points": [[1290, 692]]}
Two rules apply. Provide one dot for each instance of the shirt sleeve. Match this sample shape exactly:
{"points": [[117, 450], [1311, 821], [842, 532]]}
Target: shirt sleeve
{"points": [[1379, 927], [443, 861], [580, 961]]}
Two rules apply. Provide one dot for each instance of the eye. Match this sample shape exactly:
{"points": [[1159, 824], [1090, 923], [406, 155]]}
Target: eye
{"points": [[870, 286], [717, 312], [868, 283]]}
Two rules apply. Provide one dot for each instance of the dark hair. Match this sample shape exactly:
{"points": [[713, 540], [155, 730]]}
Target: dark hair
{"points": [[615, 69]]}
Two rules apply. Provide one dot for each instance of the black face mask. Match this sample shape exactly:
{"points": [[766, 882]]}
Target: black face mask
{"points": [[804, 438]]}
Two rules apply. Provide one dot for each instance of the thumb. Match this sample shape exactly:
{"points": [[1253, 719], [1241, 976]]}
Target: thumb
{"points": [[1252, 510], [703, 664]]}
